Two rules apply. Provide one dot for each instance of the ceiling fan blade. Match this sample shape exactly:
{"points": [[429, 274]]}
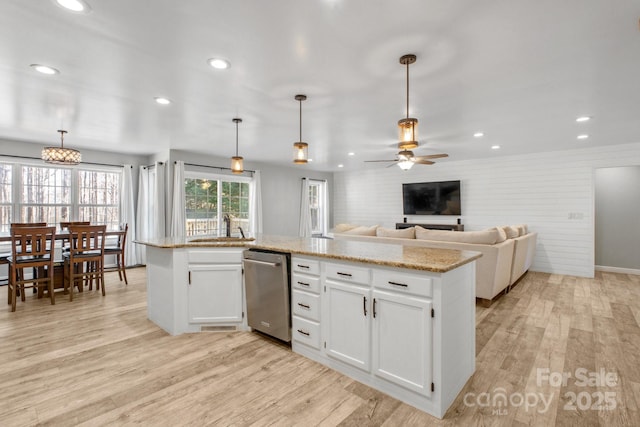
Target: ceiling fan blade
{"points": [[392, 164], [432, 156], [371, 161], [424, 162]]}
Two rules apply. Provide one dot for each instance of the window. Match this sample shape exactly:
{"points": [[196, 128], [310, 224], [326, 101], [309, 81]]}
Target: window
{"points": [[318, 207], [5, 197], [209, 199], [30, 193], [45, 195], [99, 198]]}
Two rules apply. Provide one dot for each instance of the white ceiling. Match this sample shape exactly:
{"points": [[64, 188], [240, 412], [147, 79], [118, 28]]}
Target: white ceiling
{"points": [[520, 71]]}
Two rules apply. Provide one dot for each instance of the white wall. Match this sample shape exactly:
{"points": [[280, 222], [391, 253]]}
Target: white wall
{"points": [[551, 192]]}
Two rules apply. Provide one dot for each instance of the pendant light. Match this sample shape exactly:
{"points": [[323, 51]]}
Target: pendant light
{"points": [[300, 149], [408, 127], [236, 161], [61, 155]]}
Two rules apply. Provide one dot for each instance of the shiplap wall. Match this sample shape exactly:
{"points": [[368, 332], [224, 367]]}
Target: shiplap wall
{"points": [[551, 192]]}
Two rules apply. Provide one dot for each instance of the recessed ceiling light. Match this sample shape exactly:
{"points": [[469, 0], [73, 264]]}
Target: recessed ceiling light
{"points": [[351, 153], [584, 136], [309, 160], [340, 165], [78, 6], [495, 147], [583, 119], [162, 101], [219, 63], [478, 134], [44, 69]]}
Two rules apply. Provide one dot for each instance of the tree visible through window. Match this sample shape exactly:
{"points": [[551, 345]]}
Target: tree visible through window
{"points": [[318, 207], [5, 197], [207, 201]]}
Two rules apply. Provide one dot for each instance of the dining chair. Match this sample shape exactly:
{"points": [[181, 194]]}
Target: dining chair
{"points": [[84, 262], [118, 251], [64, 226], [4, 256], [31, 248]]}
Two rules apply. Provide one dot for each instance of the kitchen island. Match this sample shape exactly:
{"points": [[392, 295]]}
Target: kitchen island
{"points": [[400, 319]]}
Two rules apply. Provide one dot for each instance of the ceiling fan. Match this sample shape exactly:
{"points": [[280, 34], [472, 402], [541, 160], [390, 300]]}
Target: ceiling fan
{"points": [[405, 159]]}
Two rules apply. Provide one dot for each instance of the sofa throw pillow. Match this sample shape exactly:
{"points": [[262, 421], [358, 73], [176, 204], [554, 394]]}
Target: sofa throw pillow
{"points": [[486, 237], [502, 235], [341, 228], [512, 232], [405, 233], [522, 228], [362, 231]]}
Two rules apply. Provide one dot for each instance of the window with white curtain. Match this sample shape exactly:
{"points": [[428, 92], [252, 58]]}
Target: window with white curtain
{"points": [[318, 207], [208, 198], [34, 193]]}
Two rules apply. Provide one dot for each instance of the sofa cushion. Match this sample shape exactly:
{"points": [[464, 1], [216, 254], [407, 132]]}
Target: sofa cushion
{"points": [[522, 228], [341, 228], [405, 233], [363, 231], [512, 232], [486, 237]]}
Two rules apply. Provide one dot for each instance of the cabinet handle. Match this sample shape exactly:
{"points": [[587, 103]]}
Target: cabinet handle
{"points": [[343, 274], [303, 266], [364, 305], [304, 305], [303, 332], [374, 308], [398, 284], [303, 284], [189, 277]]}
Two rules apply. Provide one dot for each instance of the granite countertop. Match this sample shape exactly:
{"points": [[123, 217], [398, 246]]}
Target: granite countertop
{"points": [[387, 254]]}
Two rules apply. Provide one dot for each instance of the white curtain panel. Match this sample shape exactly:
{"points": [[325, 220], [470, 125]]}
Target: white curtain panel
{"points": [[256, 204], [128, 216], [178, 224], [305, 211], [158, 200], [142, 217]]}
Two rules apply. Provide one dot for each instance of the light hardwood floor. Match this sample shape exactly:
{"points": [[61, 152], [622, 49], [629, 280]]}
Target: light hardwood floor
{"points": [[99, 361]]}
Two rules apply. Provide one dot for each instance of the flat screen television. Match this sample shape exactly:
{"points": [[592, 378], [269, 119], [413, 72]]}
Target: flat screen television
{"points": [[431, 198]]}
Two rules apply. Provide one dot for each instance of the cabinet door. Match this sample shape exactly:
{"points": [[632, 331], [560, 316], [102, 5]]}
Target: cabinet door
{"points": [[215, 293], [402, 344], [348, 324]]}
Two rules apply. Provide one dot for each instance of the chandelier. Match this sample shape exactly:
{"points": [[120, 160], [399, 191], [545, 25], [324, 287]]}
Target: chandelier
{"points": [[61, 155]]}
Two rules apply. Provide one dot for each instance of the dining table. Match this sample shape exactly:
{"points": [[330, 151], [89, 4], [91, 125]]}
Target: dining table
{"points": [[58, 280]]}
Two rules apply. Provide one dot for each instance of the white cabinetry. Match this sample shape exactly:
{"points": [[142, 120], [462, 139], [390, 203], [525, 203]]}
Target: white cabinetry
{"points": [[215, 293], [305, 302]]}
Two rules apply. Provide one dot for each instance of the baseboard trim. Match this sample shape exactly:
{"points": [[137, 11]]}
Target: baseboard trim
{"points": [[617, 270]]}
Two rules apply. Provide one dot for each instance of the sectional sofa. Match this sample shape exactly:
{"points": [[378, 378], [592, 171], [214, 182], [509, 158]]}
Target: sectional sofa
{"points": [[507, 252]]}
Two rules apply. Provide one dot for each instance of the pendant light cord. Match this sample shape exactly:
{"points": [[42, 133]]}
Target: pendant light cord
{"points": [[300, 101], [236, 138], [407, 89], [62, 132]]}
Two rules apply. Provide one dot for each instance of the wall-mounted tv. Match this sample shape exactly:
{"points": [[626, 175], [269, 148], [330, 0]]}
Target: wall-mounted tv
{"points": [[431, 198]]}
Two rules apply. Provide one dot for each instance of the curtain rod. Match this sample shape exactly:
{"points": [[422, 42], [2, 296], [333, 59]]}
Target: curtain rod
{"points": [[82, 163], [214, 167], [152, 166], [314, 179]]}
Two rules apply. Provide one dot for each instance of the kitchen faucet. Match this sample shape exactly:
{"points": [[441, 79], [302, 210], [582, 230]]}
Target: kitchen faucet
{"points": [[227, 222]]}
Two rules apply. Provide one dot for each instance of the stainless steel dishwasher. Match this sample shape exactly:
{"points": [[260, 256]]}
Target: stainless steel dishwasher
{"points": [[267, 287]]}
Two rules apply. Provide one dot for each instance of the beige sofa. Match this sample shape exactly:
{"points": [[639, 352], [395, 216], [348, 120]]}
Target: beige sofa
{"points": [[504, 260]]}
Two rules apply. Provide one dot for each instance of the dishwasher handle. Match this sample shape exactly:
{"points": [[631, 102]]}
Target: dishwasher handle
{"points": [[255, 261]]}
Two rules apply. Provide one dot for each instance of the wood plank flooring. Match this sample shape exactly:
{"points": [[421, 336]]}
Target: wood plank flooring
{"points": [[99, 361]]}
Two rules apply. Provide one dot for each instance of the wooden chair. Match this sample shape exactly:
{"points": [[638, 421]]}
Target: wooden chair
{"points": [[31, 247], [64, 226], [118, 251], [4, 256], [85, 259]]}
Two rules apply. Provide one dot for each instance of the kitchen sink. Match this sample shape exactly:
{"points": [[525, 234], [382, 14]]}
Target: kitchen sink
{"points": [[222, 239]]}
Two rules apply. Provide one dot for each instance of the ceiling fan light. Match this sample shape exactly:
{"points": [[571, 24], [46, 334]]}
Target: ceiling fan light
{"points": [[300, 153], [405, 165]]}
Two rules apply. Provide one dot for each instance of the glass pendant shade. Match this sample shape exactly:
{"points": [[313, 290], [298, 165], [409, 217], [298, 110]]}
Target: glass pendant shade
{"points": [[61, 155], [300, 152], [237, 161], [236, 164], [408, 133]]}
